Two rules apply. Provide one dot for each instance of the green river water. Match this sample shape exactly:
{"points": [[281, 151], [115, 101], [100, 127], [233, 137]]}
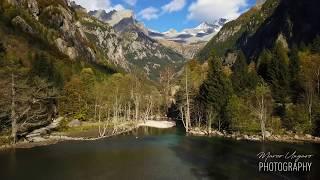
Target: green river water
{"points": [[149, 153]]}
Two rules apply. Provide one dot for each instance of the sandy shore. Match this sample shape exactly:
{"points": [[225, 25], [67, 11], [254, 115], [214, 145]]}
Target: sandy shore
{"points": [[158, 124]]}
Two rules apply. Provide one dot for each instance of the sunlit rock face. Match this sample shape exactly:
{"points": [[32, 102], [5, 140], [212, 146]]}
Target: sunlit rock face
{"points": [[138, 47], [260, 2]]}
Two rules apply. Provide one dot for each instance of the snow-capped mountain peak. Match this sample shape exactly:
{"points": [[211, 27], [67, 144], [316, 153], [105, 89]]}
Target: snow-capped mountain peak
{"points": [[170, 33], [204, 25], [201, 33]]}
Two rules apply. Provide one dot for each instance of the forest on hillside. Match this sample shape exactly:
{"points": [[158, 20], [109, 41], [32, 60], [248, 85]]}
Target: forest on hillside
{"points": [[39, 84], [34, 91], [278, 92]]}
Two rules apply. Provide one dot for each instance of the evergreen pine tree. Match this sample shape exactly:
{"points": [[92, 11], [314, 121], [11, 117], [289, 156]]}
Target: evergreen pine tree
{"points": [[294, 70], [43, 67], [216, 91], [2, 48], [315, 47], [303, 46], [253, 79], [264, 65], [240, 74], [279, 74], [2, 51]]}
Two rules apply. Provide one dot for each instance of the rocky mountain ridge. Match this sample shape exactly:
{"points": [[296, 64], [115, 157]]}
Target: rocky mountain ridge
{"points": [[228, 38], [68, 28], [139, 47], [190, 41], [202, 33], [292, 22], [186, 42]]}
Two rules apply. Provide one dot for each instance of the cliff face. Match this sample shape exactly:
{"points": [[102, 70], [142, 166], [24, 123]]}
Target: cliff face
{"points": [[55, 23], [106, 40], [137, 47], [260, 2], [291, 21], [187, 50], [237, 31], [69, 29]]}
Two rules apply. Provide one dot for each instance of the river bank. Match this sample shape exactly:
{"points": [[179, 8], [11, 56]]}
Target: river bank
{"points": [[86, 132], [287, 137]]}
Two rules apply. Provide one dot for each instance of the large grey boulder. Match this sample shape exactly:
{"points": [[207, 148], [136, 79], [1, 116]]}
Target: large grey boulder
{"points": [[267, 134], [63, 47], [74, 123]]}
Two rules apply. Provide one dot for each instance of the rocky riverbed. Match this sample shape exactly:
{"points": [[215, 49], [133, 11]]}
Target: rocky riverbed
{"points": [[286, 137]]}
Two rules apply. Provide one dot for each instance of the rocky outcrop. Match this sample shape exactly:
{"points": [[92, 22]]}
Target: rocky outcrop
{"points": [[235, 34], [260, 2], [106, 40], [281, 38], [63, 18], [63, 47], [73, 41], [230, 58], [187, 50], [224, 35], [131, 48], [30, 5], [33, 8], [23, 25], [291, 22], [77, 35], [133, 44]]}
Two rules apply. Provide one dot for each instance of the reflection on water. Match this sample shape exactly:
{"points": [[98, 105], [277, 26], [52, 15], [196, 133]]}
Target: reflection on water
{"points": [[148, 153]]}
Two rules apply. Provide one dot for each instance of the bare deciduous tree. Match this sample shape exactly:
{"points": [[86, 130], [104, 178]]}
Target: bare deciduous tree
{"points": [[260, 106], [166, 81]]}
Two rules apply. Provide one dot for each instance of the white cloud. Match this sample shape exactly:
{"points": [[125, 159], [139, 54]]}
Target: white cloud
{"points": [[131, 2], [149, 13], [210, 10], [174, 5], [91, 5]]}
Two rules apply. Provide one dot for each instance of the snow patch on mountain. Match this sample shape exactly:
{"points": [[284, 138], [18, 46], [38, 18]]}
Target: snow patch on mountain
{"points": [[202, 33]]}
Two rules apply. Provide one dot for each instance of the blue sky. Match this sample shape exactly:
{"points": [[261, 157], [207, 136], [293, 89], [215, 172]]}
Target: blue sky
{"points": [[162, 15]]}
